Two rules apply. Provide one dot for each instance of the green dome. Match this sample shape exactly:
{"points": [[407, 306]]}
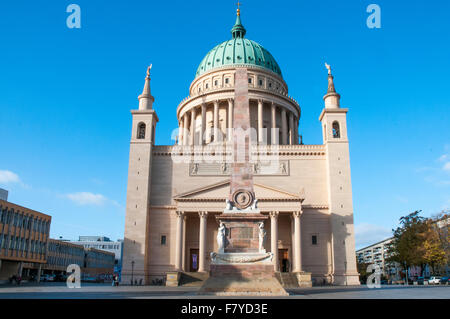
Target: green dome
{"points": [[238, 51]]}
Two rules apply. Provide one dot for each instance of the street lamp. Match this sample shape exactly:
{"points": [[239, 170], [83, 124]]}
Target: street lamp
{"points": [[132, 271]]}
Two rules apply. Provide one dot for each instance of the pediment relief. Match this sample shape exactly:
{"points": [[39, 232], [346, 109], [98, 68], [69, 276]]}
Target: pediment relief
{"points": [[220, 191]]}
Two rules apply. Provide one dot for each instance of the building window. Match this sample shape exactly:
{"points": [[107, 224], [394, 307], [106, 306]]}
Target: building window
{"points": [[206, 85], [314, 239], [163, 240], [227, 81], [336, 131], [250, 80], [141, 131], [216, 82], [260, 82]]}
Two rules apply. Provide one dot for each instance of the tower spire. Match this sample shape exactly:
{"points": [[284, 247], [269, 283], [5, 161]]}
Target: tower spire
{"points": [[332, 99], [146, 99], [238, 30]]}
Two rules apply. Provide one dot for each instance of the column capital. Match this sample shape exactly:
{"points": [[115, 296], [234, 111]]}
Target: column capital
{"points": [[261, 101], [202, 214], [230, 100], [216, 102], [180, 213], [274, 214], [297, 213]]}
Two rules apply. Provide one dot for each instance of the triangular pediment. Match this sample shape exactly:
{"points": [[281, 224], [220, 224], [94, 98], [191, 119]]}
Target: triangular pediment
{"points": [[220, 191]]}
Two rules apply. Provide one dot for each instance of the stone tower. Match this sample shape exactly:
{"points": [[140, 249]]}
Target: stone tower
{"points": [[135, 254], [334, 125]]}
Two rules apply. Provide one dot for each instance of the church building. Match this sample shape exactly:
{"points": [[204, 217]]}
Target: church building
{"points": [[175, 191]]}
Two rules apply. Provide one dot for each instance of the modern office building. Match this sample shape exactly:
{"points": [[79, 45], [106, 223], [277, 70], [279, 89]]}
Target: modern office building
{"points": [[376, 254], [23, 240], [93, 263], [105, 244], [61, 254]]}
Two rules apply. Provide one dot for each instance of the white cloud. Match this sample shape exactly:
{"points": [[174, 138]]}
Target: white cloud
{"points": [[368, 234], [86, 198], [446, 167], [8, 177], [443, 158]]}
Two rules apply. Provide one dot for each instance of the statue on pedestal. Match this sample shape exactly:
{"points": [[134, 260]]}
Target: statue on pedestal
{"points": [[221, 238], [262, 237]]}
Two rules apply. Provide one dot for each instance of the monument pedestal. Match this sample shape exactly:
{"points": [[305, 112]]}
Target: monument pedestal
{"points": [[242, 267]]}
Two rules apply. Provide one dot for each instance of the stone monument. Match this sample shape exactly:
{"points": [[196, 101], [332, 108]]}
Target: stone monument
{"points": [[241, 265]]}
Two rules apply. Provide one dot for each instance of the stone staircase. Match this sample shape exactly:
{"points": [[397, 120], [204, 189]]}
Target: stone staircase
{"points": [[193, 279], [294, 280]]}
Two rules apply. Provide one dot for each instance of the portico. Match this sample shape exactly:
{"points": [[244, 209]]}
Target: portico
{"points": [[196, 228]]}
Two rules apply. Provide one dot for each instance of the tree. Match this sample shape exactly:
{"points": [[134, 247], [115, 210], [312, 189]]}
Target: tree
{"points": [[362, 270], [405, 248], [436, 248], [420, 241]]}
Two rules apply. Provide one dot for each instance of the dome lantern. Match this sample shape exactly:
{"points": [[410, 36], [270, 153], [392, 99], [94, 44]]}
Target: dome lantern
{"points": [[238, 30]]}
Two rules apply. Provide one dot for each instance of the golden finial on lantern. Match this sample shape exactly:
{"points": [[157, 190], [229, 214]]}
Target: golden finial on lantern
{"points": [[238, 9]]}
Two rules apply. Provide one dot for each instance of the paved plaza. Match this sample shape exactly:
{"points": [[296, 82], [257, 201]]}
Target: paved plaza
{"points": [[103, 291]]}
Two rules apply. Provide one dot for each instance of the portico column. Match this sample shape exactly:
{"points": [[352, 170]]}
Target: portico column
{"points": [[274, 135], [296, 131], [179, 241], [185, 127], [202, 241], [192, 135], [274, 239], [203, 125], [216, 120], [230, 120], [291, 128], [260, 121], [297, 242], [283, 126], [183, 247]]}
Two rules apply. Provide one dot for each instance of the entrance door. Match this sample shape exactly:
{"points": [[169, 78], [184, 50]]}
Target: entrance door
{"points": [[283, 258], [194, 260]]}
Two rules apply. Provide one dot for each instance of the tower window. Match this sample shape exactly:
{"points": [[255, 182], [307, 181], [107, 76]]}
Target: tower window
{"points": [[314, 239], [336, 130], [163, 240], [141, 131]]}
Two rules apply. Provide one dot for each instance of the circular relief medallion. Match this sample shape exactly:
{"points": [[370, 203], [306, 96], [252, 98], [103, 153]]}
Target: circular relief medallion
{"points": [[242, 199]]}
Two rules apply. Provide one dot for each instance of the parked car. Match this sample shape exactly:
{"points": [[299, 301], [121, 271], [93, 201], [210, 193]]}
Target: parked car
{"points": [[420, 280], [434, 280], [48, 278], [445, 280], [60, 278]]}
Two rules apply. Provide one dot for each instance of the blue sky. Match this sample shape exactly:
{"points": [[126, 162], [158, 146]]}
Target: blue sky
{"points": [[66, 96]]}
